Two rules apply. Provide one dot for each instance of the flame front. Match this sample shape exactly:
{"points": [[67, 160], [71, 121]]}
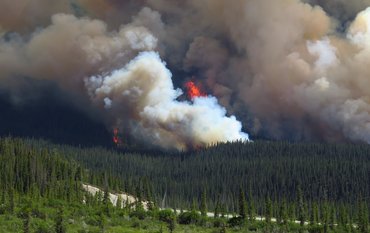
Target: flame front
{"points": [[193, 90], [116, 137]]}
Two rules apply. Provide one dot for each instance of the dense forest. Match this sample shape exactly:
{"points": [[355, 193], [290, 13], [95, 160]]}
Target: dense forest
{"points": [[337, 173], [321, 185]]}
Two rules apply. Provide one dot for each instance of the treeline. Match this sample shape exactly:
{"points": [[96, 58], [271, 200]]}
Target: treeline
{"points": [[332, 177], [320, 185], [37, 172]]}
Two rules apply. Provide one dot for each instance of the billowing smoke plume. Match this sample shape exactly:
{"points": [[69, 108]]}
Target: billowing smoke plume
{"points": [[142, 94], [288, 69]]}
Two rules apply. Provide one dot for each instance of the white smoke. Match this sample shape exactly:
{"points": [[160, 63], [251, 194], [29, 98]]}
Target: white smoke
{"points": [[143, 94]]}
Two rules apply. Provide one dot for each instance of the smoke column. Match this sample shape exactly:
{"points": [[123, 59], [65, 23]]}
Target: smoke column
{"points": [[142, 94], [288, 69]]}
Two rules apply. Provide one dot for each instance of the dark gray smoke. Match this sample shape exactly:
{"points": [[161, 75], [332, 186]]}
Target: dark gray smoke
{"points": [[288, 69]]}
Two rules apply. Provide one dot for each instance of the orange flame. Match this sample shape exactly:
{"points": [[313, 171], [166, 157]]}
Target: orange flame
{"points": [[193, 91], [116, 137]]}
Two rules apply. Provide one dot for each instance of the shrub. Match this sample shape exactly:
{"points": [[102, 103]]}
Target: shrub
{"points": [[2, 209], [218, 223], [191, 217], [236, 222], [140, 214], [166, 215], [93, 220], [135, 223], [42, 226]]}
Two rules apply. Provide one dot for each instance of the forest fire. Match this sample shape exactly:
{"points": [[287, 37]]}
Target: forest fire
{"points": [[193, 90], [116, 139]]}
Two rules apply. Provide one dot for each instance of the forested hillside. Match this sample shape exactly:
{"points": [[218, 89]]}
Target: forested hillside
{"points": [[333, 176], [316, 184]]}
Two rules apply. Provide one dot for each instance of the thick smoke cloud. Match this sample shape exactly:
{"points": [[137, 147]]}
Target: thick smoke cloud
{"points": [[142, 94], [288, 69]]}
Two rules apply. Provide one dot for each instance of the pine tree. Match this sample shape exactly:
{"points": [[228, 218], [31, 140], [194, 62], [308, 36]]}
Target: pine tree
{"points": [[332, 217], [242, 204], [194, 205], [284, 212], [59, 222], [106, 198], [223, 229], [363, 218], [171, 224], [343, 216], [217, 208], [251, 210], [106, 201], [101, 221], [26, 222], [268, 210], [325, 216], [203, 203], [314, 214], [301, 207], [119, 202], [3, 198], [11, 200]]}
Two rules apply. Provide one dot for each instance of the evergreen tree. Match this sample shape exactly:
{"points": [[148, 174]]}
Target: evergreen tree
{"points": [[217, 208], [223, 210], [223, 228], [314, 214], [343, 216], [268, 210], [301, 207], [101, 221], [332, 217], [242, 204], [171, 224], [363, 218], [251, 209], [203, 203], [284, 212], [119, 202], [325, 216], [3, 201], [194, 205], [11, 200], [26, 222], [106, 199], [59, 222]]}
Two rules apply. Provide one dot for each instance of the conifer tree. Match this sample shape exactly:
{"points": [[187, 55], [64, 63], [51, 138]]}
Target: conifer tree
{"points": [[217, 208], [284, 212], [106, 199], [203, 203], [194, 205], [268, 210], [314, 214], [251, 210], [11, 200], [59, 222], [242, 204], [101, 221], [301, 207], [26, 222], [3, 198], [325, 216], [171, 224], [119, 202], [363, 218]]}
